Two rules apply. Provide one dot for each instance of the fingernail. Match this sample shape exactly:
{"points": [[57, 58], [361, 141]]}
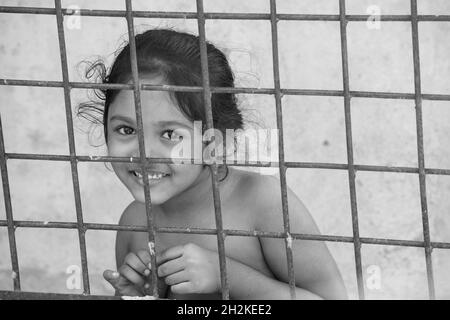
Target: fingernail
{"points": [[146, 272], [115, 274], [150, 266]]}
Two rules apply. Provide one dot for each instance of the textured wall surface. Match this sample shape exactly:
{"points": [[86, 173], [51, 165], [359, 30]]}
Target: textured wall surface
{"points": [[384, 133]]}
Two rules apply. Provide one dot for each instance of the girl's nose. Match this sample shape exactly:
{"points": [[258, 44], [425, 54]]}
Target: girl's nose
{"points": [[152, 149]]}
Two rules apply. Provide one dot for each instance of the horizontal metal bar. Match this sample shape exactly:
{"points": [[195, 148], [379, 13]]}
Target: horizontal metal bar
{"points": [[239, 90], [24, 295], [228, 232], [217, 15], [257, 164]]}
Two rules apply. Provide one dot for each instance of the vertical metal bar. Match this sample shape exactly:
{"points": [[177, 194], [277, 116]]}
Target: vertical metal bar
{"points": [[71, 139], [282, 166], [209, 124], [9, 214], [351, 168], [420, 149], [142, 156]]}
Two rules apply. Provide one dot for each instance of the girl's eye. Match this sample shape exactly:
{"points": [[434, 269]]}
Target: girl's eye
{"points": [[124, 130], [172, 135]]}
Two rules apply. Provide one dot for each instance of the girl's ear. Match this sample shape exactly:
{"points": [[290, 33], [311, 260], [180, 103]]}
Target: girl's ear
{"points": [[108, 166], [222, 172]]}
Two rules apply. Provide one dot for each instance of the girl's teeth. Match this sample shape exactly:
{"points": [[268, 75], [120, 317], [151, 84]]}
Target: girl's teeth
{"points": [[150, 176]]}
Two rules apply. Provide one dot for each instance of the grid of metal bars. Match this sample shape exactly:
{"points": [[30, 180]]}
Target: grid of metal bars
{"points": [[278, 93]]}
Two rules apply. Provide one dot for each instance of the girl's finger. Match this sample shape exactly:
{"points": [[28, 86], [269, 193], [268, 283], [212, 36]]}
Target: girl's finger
{"points": [[116, 279], [135, 263], [112, 277], [176, 278], [122, 286], [169, 254], [131, 275], [182, 288], [170, 267], [144, 255]]}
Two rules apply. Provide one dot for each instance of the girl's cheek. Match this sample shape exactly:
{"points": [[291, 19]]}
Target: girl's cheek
{"points": [[110, 148], [117, 150]]}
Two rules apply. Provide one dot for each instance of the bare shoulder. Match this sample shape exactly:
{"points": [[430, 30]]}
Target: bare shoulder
{"points": [[133, 214], [315, 268], [264, 194]]}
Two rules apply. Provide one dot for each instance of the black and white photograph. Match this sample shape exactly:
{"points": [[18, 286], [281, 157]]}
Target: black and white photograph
{"points": [[225, 150]]}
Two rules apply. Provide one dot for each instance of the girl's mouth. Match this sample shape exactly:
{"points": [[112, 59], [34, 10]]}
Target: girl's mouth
{"points": [[153, 177]]}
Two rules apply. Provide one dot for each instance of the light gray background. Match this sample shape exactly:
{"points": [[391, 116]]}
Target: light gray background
{"points": [[384, 132]]}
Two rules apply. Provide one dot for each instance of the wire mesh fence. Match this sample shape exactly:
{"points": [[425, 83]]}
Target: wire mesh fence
{"points": [[137, 87]]}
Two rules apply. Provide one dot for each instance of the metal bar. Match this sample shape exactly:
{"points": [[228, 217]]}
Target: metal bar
{"points": [[213, 167], [420, 149], [277, 91], [142, 153], [239, 90], [351, 168], [228, 232], [23, 295], [71, 139], [282, 167], [9, 212], [217, 15], [235, 163]]}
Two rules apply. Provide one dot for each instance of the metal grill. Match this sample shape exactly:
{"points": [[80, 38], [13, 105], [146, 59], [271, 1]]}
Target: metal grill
{"points": [[276, 91]]}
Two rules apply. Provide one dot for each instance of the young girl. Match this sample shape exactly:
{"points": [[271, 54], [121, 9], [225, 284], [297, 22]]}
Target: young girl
{"points": [[181, 194]]}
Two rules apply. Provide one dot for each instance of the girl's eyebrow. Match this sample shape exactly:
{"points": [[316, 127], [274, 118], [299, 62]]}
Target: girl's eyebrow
{"points": [[122, 118], [174, 122], [160, 123]]}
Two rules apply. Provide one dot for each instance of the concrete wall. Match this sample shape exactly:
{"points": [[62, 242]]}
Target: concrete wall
{"points": [[384, 133]]}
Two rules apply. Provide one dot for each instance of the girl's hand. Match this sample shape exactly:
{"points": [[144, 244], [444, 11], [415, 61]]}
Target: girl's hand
{"points": [[189, 269], [132, 277]]}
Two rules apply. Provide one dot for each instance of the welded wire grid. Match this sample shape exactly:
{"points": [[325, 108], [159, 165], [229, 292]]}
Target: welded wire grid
{"points": [[276, 91]]}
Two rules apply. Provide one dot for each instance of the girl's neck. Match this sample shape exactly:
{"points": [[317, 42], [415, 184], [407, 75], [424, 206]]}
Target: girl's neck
{"points": [[197, 196]]}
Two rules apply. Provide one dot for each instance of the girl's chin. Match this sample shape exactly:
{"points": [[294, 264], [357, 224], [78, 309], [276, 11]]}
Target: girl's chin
{"points": [[155, 198]]}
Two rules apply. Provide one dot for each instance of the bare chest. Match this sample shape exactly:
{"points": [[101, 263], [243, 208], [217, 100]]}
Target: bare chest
{"points": [[246, 250]]}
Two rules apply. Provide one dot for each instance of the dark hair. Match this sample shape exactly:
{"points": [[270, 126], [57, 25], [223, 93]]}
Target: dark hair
{"points": [[175, 56]]}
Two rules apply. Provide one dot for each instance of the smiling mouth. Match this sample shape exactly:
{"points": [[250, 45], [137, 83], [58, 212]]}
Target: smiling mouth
{"points": [[152, 175]]}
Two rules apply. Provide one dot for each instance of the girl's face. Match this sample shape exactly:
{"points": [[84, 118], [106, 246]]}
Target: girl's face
{"points": [[164, 127]]}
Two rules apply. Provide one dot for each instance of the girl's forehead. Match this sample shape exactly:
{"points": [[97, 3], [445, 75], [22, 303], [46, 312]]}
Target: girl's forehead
{"points": [[155, 106]]}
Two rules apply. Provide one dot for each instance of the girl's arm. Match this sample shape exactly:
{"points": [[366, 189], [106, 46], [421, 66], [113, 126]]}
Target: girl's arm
{"points": [[247, 283], [316, 272], [131, 263], [192, 269]]}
